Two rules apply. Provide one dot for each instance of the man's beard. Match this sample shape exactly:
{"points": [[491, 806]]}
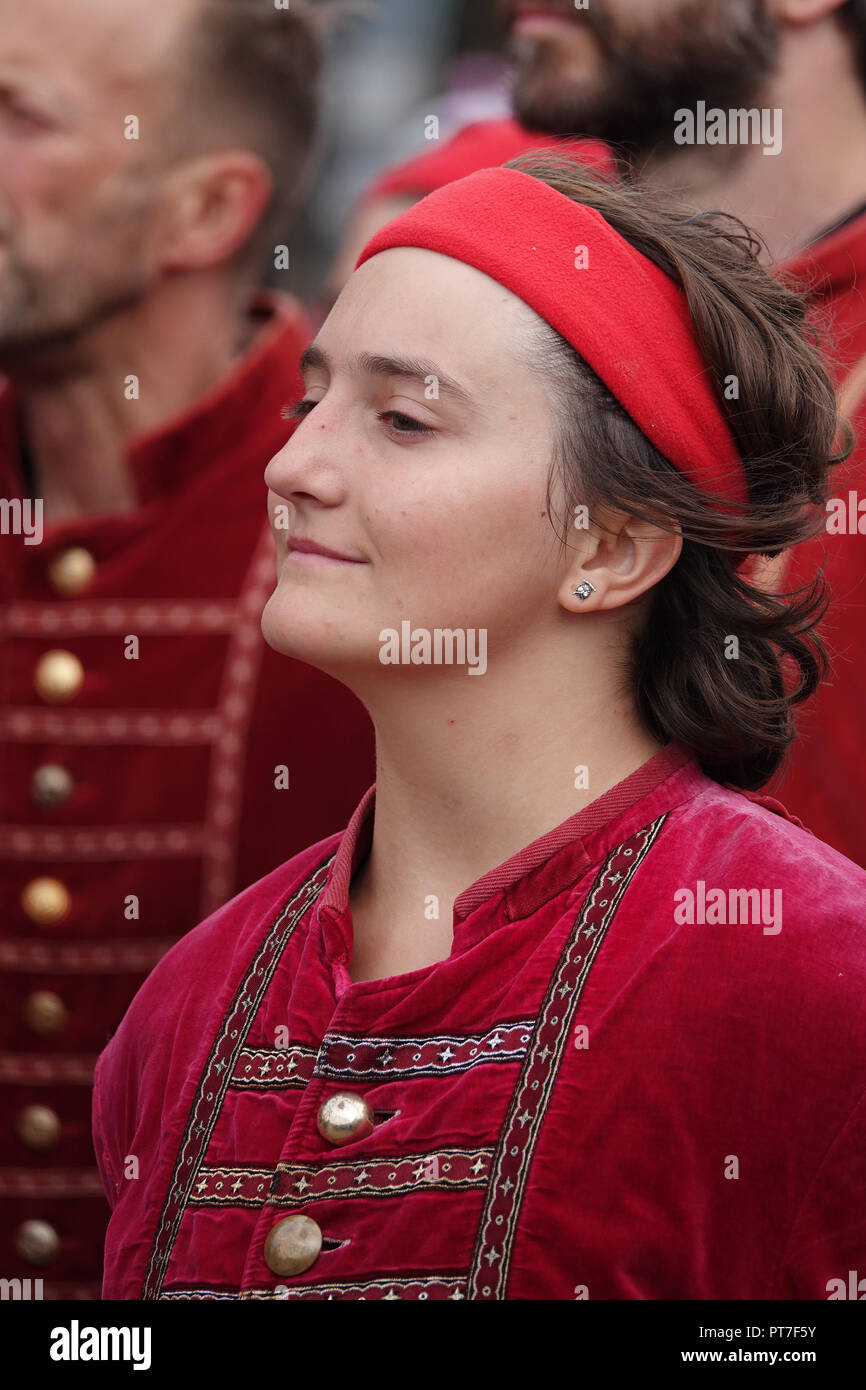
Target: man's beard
{"points": [[721, 53], [38, 326], [45, 310]]}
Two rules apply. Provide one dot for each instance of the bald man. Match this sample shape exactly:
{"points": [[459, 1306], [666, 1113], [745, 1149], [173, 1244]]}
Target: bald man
{"points": [[152, 756]]}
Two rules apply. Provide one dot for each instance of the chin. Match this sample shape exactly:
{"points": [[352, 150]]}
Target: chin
{"points": [[319, 639]]}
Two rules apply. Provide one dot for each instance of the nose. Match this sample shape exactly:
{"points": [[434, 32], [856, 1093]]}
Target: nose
{"points": [[308, 467]]}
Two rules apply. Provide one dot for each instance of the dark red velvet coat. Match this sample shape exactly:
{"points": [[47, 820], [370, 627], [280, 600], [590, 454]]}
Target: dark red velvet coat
{"points": [[587, 1098], [826, 783], [172, 757]]}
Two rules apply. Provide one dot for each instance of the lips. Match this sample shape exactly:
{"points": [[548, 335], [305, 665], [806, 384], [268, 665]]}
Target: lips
{"points": [[302, 546], [541, 16]]}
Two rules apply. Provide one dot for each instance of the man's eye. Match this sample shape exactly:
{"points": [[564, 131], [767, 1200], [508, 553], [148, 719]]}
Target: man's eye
{"points": [[403, 424], [300, 410]]}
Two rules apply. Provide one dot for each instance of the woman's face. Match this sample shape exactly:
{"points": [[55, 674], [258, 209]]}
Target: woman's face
{"points": [[422, 458]]}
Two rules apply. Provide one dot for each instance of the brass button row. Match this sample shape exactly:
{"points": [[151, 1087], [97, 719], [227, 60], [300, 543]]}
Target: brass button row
{"points": [[71, 570], [58, 677], [51, 785], [38, 1126], [37, 1242], [294, 1243], [46, 901], [45, 1013]]}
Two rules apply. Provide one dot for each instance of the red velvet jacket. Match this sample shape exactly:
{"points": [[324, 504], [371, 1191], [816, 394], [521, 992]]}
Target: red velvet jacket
{"points": [[826, 781], [160, 799], [592, 1096]]}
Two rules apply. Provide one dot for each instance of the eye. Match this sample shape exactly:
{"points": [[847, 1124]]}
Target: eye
{"points": [[402, 424], [300, 410]]}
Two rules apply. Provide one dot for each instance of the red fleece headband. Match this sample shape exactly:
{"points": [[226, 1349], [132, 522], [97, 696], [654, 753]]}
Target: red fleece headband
{"points": [[623, 314]]}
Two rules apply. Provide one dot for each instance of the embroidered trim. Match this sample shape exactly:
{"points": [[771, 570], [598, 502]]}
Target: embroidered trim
{"points": [[440, 1286], [298, 1184], [159, 619], [237, 694], [106, 727], [101, 842], [218, 1069], [51, 1182], [231, 1187], [358, 1057], [421, 1287], [273, 1068], [41, 1069], [82, 957], [497, 1229]]}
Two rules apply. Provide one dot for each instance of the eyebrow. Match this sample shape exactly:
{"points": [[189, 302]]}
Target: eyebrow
{"points": [[409, 368]]}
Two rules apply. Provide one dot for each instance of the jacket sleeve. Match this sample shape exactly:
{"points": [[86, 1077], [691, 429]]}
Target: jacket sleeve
{"points": [[825, 1256], [107, 1158]]}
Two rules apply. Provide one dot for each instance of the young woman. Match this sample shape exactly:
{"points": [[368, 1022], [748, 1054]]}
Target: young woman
{"points": [[560, 1015]]}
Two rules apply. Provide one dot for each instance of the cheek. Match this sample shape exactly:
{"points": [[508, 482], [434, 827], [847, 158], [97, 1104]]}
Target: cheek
{"points": [[472, 545]]}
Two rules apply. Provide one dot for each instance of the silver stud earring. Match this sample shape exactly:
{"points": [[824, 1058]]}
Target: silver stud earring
{"points": [[584, 590]]}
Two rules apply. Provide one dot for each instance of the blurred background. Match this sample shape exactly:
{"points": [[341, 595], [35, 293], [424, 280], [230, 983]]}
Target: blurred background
{"points": [[390, 66]]}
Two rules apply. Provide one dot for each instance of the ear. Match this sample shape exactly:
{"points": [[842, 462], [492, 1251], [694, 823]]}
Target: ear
{"points": [[212, 205], [620, 558], [802, 11]]}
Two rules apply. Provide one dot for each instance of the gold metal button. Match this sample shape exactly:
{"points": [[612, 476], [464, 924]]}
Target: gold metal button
{"points": [[51, 785], [344, 1117], [45, 1012], [292, 1245], [59, 676], [71, 570], [37, 1242], [46, 901], [38, 1126]]}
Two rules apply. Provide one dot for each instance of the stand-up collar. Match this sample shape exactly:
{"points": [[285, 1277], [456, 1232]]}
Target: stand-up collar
{"points": [[517, 887], [836, 262], [236, 416]]}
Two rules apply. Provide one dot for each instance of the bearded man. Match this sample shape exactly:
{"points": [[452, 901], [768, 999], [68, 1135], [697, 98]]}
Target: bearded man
{"points": [[152, 759]]}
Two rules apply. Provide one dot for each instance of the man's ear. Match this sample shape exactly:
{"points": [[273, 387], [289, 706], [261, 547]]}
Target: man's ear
{"points": [[212, 205], [617, 561]]}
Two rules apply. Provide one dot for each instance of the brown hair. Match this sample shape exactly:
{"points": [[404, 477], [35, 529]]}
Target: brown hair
{"points": [[853, 16], [252, 69], [734, 714]]}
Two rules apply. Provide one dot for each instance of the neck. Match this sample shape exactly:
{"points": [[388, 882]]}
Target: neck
{"points": [[123, 377], [820, 174], [471, 769]]}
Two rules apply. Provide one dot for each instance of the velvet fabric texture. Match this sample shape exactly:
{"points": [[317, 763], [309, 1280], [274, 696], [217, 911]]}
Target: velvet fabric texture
{"points": [[176, 801], [622, 1083], [825, 782], [624, 316]]}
